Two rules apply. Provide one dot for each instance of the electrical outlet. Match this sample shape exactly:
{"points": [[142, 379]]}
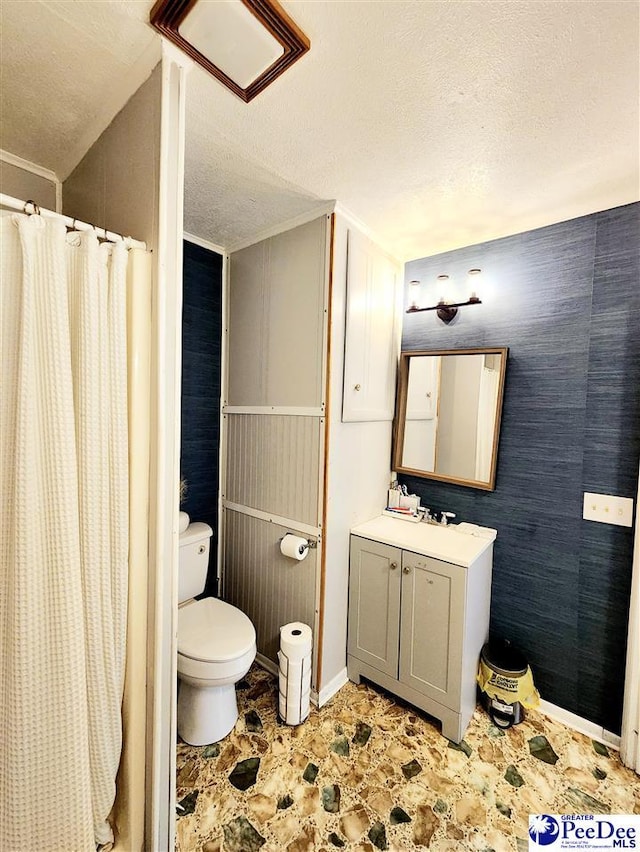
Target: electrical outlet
{"points": [[607, 509]]}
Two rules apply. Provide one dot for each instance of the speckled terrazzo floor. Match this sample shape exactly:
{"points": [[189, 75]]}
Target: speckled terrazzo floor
{"points": [[368, 772]]}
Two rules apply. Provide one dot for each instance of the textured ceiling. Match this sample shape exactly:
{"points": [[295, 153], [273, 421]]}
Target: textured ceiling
{"points": [[68, 67], [438, 124]]}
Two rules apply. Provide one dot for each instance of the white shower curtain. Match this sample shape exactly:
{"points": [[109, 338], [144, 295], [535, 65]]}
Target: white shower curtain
{"points": [[63, 595], [630, 739]]}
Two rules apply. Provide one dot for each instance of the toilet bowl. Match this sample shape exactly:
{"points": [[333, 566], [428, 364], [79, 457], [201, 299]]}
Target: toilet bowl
{"points": [[216, 647]]}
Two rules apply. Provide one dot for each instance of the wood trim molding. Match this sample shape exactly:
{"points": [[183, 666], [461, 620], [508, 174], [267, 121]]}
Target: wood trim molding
{"points": [[278, 520], [273, 410], [401, 407], [167, 15], [206, 244], [325, 483]]}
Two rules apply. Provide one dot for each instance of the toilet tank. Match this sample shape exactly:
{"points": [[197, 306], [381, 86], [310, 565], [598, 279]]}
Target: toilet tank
{"points": [[194, 560]]}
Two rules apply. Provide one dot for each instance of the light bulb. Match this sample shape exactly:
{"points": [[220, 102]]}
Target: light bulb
{"points": [[444, 280], [414, 294], [475, 278]]}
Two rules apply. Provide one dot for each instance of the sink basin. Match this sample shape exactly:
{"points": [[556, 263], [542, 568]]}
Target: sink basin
{"points": [[450, 543]]}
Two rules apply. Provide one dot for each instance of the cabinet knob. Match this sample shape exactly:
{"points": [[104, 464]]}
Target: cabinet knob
{"points": [[357, 387], [393, 565], [406, 569]]}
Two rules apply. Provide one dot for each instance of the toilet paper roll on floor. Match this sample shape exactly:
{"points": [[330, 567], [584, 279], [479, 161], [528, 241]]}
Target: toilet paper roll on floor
{"points": [[294, 681], [296, 676], [294, 658], [295, 640], [294, 547], [294, 689]]}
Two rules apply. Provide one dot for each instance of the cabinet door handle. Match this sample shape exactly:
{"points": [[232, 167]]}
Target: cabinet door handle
{"points": [[406, 569], [357, 387], [393, 565]]}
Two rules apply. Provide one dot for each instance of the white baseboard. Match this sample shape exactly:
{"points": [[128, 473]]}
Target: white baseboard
{"points": [[267, 664], [583, 726], [335, 684]]}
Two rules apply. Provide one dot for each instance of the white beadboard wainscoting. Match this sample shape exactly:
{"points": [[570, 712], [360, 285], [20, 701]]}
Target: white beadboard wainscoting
{"points": [[270, 588]]}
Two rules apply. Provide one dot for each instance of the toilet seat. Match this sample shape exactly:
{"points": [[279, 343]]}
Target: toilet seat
{"points": [[212, 631]]}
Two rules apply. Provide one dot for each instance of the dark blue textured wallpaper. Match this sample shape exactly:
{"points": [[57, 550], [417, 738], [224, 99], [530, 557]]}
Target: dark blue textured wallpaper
{"points": [[566, 301], [201, 348]]}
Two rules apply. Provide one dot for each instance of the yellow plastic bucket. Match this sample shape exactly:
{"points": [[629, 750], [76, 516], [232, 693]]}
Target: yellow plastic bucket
{"points": [[506, 683]]}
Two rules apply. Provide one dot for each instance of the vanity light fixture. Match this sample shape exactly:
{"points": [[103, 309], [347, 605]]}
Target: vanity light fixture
{"points": [[446, 311], [245, 44]]}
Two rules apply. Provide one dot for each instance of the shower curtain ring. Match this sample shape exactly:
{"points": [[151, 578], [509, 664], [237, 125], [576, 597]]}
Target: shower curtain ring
{"points": [[35, 210]]}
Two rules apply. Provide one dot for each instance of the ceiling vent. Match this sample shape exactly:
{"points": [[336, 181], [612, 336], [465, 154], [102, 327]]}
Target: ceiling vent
{"points": [[246, 44]]}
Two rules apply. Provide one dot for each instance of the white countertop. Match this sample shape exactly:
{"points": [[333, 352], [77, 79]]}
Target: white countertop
{"points": [[445, 543]]}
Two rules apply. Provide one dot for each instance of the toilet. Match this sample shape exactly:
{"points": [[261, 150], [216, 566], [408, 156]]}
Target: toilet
{"points": [[216, 647]]}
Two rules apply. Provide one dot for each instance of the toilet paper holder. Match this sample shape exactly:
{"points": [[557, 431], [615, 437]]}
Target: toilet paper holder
{"points": [[312, 542]]}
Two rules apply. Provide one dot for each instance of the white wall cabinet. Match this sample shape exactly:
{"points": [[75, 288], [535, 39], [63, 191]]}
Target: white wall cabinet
{"points": [[417, 621], [370, 334]]}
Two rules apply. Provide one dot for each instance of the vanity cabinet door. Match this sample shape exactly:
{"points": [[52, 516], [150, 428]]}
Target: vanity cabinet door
{"points": [[432, 627], [374, 604]]}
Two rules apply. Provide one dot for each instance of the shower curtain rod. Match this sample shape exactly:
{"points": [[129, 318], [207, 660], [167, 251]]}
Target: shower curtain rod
{"points": [[75, 224]]}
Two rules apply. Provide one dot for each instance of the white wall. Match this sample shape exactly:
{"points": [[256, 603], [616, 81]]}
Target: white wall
{"points": [[116, 184], [23, 184], [358, 469]]}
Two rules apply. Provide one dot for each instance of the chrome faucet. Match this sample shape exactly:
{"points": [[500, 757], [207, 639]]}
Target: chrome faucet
{"points": [[442, 522]]}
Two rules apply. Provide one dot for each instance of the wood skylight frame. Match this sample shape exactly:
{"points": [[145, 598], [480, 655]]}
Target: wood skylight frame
{"points": [[167, 15]]}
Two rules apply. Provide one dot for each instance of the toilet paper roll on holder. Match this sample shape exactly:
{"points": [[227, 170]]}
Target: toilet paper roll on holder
{"points": [[311, 542]]}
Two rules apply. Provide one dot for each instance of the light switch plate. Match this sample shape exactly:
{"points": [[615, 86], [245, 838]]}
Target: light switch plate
{"points": [[607, 509]]}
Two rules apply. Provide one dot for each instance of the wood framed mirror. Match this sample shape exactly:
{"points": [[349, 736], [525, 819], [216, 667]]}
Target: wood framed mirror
{"points": [[448, 413]]}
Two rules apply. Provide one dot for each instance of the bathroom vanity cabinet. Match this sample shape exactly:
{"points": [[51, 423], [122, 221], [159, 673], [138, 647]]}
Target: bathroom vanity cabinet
{"points": [[419, 601]]}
